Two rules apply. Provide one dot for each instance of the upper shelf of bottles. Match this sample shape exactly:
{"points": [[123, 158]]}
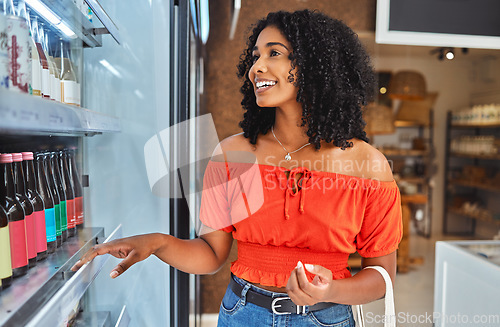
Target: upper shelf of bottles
{"points": [[23, 113], [81, 25]]}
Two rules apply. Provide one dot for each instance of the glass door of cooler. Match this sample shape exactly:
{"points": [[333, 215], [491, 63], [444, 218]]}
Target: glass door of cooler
{"points": [[136, 84]]}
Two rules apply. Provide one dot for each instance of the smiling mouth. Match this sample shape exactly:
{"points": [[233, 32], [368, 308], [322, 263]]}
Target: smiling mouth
{"points": [[264, 85]]}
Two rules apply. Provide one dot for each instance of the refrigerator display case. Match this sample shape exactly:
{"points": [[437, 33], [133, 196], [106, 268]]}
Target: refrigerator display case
{"points": [[134, 64], [467, 283]]}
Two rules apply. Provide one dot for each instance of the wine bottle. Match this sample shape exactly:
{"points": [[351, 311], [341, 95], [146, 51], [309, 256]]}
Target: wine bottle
{"points": [[55, 196], [62, 194], [70, 193], [5, 260], [15, 213], [48, 201], [77, 187], [38, 206], [29, 211]]}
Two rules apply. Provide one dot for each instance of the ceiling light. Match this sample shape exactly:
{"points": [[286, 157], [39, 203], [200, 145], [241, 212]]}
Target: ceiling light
{"points": [[55, 20], [449, 54]]}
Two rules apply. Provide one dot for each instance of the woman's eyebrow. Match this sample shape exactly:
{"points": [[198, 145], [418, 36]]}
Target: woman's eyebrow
{"points": [[270, 44]]}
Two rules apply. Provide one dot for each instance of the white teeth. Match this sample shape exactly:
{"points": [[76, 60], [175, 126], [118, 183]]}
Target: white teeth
{"points": [[265, 84]]}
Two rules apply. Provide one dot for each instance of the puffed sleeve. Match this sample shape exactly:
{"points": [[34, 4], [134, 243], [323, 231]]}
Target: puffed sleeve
{"points": [[215, 208], [382, 227]]}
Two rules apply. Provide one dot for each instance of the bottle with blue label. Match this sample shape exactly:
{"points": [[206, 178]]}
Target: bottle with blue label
{"points": [[48, 201]]}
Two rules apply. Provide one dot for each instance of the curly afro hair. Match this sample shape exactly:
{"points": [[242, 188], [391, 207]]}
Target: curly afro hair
{"points": [[334, 78]]}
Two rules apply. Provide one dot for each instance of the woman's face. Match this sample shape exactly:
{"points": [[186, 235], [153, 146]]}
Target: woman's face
{"points": [[271, 68]]}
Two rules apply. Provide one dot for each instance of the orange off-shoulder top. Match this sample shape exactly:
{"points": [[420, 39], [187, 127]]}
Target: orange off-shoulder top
{"points": [[319, 219]]}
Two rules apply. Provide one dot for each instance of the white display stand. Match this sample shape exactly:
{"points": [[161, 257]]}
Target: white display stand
{"points": [[467, 284]]}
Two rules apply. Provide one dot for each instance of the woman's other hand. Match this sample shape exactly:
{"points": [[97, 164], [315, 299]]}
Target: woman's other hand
{"points": [[131, 249], [303, 292]]}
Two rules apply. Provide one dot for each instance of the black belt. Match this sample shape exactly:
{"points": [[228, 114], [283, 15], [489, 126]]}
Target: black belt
{"points": [[278, 305]]}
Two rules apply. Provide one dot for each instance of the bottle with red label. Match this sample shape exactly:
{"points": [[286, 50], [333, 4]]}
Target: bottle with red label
{"points": [[29, 211], [5, 260], [77, 187], [69, 192], [62, 194], [48, 201], [55, 196], [38, 206], [15, 212]]}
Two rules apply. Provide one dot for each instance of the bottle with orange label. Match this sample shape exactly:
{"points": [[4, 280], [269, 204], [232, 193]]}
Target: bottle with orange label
{"points": [[15, 212], [77, 187]]}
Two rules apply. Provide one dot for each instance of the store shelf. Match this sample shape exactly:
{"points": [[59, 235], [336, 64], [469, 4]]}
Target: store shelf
{"points": [[496, 125], [18, 302], [60, 305], [476, 156], [26, 114], [480, 216], [87, 31], [480, 186], [47, 294]]}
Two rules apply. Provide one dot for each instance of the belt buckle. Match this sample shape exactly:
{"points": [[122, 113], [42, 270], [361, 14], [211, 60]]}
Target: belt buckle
{"points": [[274, 305]]}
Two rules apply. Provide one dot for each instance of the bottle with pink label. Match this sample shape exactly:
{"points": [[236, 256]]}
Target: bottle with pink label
{"points": [[29, 211], [15, 212], [38, 205]]}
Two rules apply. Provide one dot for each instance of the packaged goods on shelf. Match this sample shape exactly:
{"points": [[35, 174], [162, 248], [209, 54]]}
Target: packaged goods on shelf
{"points": [[475, 145], [479, 114]]}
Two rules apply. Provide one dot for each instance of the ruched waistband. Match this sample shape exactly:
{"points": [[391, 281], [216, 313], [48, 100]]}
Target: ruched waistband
{"points": [[278, 258]]}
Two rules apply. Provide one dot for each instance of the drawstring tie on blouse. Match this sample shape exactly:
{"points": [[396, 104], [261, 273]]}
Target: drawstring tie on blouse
{"points": [[293, 184]]}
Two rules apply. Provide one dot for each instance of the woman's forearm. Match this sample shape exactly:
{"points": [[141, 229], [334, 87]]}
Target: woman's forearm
{"points": [[366, 286], [194, 256]]}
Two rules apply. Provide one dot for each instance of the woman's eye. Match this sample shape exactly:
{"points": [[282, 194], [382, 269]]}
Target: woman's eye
{"points": [[274, 53], [254, 58]]}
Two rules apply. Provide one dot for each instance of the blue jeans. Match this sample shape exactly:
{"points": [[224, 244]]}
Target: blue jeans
{"points": [[235, 311]]}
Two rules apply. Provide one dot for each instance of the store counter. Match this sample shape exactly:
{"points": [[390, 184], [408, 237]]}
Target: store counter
{"points": [[467, 283]]}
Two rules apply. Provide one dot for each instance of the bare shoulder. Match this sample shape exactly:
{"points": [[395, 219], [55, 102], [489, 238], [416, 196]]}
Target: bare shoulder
{"points": [[374, 163], [232, 147], [236, 142]]}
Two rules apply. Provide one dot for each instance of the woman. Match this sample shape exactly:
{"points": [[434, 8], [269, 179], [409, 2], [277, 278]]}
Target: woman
{"points": [[306, 77]]}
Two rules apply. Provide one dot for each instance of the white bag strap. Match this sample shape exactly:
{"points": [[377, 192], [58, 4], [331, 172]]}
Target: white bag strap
{"points": [[358, 318], [390, 312]]}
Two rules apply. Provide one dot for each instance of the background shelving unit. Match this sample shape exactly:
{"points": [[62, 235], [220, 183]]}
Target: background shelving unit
{"points": [[483, 191], [423, 224]]}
